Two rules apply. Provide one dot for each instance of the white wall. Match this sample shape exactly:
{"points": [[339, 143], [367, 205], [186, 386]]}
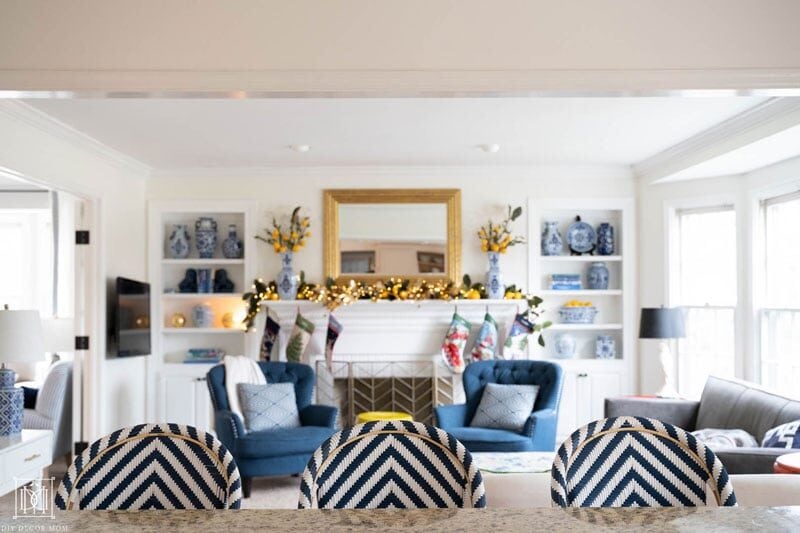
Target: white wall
{"points": [[56, 162], [653, 201], [485, 192]]}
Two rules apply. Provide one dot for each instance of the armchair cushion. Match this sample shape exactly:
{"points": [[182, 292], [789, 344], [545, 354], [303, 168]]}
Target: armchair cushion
{"points": [[279, 442], [505, 406], [319, 415], [267, 407], [491, 440], [451, 416]]}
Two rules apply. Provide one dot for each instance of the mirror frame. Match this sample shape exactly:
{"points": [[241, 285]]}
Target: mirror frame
{"points": [[333, 198]]}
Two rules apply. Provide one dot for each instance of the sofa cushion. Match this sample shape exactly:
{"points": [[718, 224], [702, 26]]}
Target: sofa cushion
{"points": [[278, 442], [268, 407], [783, 436], [505, 406], [733, 404]]}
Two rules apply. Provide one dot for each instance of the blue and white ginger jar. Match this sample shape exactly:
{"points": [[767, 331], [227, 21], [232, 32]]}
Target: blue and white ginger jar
{"points": [[605, 347], [232, 247], [202, 316], [205, 234], [565, 346], [597, 277]]}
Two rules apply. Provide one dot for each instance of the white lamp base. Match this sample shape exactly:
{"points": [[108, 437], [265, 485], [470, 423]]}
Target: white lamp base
{"points": [[668, 389]]}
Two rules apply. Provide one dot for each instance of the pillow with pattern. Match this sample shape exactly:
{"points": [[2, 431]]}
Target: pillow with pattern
{"points": [[725, 438], [783, 436], [270, 406], [505, 406]]}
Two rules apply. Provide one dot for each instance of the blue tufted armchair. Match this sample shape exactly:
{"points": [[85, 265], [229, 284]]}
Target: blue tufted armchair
{"points": [[273, 452], [539, 432]]}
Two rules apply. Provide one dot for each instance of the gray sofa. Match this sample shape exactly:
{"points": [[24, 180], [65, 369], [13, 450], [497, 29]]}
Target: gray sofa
{"points": [[724, 404]]}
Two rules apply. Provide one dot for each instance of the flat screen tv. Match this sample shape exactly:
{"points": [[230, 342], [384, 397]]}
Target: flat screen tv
{"points": [[131, 318]]}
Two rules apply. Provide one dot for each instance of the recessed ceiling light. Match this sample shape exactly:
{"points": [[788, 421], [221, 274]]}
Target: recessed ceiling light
{"points": [[490, 148], [302, 148]]}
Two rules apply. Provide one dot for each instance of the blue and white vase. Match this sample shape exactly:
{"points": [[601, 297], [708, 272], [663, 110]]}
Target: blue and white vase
{"points": [[597, 277], [202, 316], [552, 243], [605, 239], [286, 280], [232, 247], [178, 242], [565, 346], [205, 234], [605, 347], [495, 290], [11, 404]]}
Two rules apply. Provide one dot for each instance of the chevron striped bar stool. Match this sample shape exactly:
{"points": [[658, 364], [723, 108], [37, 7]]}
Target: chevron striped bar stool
{"points": [[637, 462], [152, 466], [391, 464]]}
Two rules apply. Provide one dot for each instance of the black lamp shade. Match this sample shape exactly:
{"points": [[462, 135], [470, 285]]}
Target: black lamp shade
{"points": [[661, 323]]}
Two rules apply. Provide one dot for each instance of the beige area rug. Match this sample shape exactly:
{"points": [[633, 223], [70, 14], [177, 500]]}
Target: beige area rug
{"points": [[268, 492]]}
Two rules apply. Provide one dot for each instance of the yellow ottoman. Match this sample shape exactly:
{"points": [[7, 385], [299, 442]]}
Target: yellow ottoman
{"points": [[374, 416]]}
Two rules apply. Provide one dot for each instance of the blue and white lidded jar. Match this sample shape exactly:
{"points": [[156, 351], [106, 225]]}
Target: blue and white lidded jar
{"points": [[178, 242], [605, 347], [205, 234], [552, 243], [597, 277], [232, 247], [605, 239], [286, 281], [565, 346], [202, 316]]}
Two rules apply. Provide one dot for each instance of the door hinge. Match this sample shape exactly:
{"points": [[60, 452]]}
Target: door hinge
{"points": [[82, 343], [81, 236]]}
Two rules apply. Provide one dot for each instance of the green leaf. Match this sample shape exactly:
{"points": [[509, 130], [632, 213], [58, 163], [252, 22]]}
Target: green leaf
{"points": [[516, 213], [541, 341], [547, 324]]}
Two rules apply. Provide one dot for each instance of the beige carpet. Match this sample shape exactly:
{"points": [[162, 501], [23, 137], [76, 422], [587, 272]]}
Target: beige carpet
{"points": [[268, 493]]}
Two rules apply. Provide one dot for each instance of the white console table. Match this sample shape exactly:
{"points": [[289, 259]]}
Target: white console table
{"points": [[24, 456]]}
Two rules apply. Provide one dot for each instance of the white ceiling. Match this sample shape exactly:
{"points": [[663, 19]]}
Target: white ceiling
{"points": [[204, 133]]}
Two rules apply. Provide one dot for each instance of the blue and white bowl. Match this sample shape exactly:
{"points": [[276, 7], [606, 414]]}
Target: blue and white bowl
{"points": [[577, 315]]}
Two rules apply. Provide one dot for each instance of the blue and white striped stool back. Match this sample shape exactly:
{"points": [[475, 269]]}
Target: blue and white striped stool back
{"points": [[391, 464], [152, 466], [631, 461]]}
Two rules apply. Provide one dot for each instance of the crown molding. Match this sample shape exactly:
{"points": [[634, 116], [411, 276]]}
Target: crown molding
{"points": [[768, 118], [293, 83], [533, 171], [30, 116]]}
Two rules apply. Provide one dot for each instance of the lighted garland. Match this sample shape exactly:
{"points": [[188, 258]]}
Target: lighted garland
{"points": [[334, 295]]}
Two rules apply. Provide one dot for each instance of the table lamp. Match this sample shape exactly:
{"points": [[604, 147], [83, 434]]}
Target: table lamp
{"points": [[663, 323], [20, 341]]}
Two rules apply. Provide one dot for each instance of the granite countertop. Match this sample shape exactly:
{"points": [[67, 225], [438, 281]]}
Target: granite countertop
{"points": [[715, 519]]}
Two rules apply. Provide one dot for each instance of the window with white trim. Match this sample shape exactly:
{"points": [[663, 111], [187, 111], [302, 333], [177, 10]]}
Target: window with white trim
{"points": [[26, 268], [704, 278], [780, 310]]}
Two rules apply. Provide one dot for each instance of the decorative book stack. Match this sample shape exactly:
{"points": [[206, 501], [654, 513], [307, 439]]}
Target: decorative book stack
{"points": [[204, 356], [566, 282]]}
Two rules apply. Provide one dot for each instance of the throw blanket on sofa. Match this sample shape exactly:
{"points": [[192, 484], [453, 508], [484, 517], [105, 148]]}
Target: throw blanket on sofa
{"points": [[240, 369], [717, 439]]}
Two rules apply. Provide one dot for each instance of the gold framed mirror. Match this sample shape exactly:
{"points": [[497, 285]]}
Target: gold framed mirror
{"points": [[373, 234]]}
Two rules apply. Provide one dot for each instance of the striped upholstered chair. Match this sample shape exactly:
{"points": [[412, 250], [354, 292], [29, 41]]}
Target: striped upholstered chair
{"points": [[152, 466], [391, 464], [631, 461]]}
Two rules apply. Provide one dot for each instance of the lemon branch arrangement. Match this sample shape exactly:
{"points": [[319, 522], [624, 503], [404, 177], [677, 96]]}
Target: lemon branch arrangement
{"points": [[288, 238], [498, 237]]}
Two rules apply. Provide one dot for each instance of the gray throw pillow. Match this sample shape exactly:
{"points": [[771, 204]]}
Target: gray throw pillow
{"points": [[270, 406], [718, 439], [505, 406]]}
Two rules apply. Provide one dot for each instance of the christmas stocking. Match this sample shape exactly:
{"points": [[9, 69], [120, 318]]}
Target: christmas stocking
{"points": [[517, 339], [298, 340], [486, 343], [454, 343], [334, 329], [271, 329]]}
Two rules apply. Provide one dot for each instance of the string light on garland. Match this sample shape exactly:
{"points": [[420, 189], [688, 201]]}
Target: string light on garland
{"points": [[334, 295]]}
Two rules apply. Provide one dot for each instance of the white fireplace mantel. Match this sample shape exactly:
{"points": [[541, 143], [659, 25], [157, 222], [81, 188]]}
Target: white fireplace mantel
{"points": [[386, 330]]}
